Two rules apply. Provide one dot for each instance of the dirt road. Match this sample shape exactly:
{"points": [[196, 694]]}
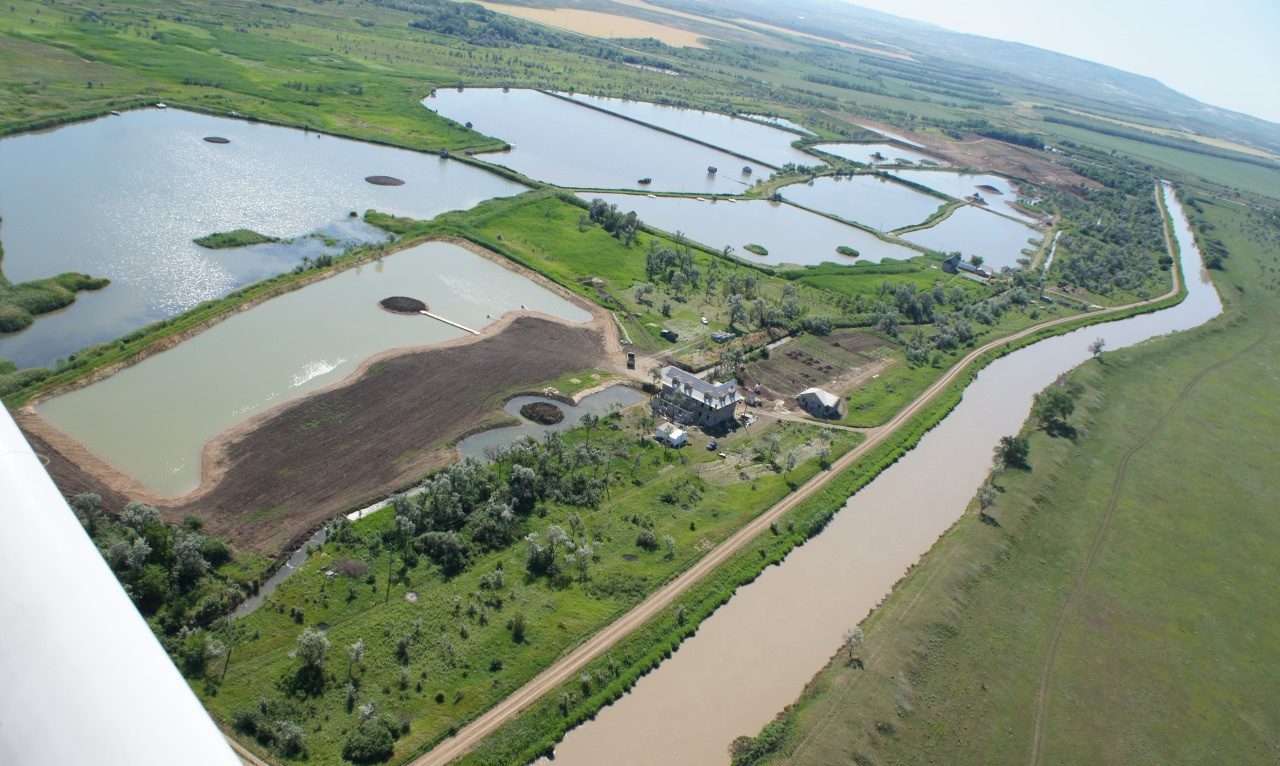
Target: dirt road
{"points": [[573, 662]]}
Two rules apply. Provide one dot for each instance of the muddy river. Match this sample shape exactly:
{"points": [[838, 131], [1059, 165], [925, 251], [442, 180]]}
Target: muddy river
{"points": [[755, 654]]}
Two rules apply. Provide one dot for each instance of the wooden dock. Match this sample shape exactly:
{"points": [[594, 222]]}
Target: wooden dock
{"points": [[439, 318]]}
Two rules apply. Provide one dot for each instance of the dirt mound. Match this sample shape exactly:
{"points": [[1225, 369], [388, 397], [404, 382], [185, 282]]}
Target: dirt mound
{"points": [[545, 413], [399, 304], [217, 140], [384, 180]]}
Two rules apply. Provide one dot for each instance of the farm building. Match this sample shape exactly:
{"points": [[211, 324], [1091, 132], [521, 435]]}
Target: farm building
{"points": [[819, 403], [671, 435], [956, 264], [687, 399]]}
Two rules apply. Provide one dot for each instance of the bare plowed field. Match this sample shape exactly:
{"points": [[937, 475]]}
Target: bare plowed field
{"points": [[831, 361], [290, 472]]}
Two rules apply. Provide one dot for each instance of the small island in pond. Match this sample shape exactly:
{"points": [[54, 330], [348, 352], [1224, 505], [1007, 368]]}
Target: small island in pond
{"points": [[217, 140], [384, 180], [20, 303], [849, 251], [237, 238], [545, 413], [757, 249], [400, 304]]}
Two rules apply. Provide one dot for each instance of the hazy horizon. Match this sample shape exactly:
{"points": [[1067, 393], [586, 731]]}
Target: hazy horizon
{"points": [[1179, 43]]}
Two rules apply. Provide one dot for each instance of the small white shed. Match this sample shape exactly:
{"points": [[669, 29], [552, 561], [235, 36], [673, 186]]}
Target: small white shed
{"points": [[820, 403], [671, 435]]}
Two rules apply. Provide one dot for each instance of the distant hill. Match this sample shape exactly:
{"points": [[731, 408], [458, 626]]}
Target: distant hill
{"points": [[1095, 86]]}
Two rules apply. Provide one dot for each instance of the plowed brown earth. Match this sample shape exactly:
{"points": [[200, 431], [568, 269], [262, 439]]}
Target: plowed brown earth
{"points": [[312, 459]]}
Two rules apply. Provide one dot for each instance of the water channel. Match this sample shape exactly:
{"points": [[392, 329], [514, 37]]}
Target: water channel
{"points": [[755, 654], [122, 197], [571, 145], [780, 121], [153, 419], [870, 200], [789, 234]]}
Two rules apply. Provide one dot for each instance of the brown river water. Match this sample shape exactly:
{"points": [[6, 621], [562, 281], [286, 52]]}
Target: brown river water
{"points": [[755, 654]]}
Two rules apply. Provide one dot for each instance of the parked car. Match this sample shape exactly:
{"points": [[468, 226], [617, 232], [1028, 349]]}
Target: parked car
{"points": [[711, 446]]}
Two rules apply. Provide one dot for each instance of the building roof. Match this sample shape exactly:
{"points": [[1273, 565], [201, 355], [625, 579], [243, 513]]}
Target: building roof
{"points": [[827, 398], [714, 394]]}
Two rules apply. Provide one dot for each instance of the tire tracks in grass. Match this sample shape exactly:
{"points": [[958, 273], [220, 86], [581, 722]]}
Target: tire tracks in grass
{"points": [[1100, 536]]}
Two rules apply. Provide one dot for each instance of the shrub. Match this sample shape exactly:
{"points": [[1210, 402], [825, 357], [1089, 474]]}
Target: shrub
{"points": [[373, 741]]}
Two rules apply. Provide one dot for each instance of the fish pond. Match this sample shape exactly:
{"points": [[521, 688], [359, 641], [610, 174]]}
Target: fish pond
{"points": [[123, 197], [998, 191], [788, 234], [867, 199], [974, 231], [568, 144], [888, 154], [762, 143], [600, 403], [152, 420]]}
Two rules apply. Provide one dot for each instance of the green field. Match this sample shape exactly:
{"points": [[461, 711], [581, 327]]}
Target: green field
{"points": [[463, 658], [1159, 580]]}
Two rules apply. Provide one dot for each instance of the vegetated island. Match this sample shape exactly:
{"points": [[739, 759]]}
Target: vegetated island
{"points": [[849, 251], [399, 304], [20, 303], [217, 140], [238, 238], [544, 413], [384, 180], [757, 249]]}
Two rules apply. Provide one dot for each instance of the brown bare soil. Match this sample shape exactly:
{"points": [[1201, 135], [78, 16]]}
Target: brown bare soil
{"points": [[287, 474], [822, 361]]}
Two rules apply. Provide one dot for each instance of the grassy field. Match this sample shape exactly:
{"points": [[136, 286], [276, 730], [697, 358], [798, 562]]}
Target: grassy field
{"points": [[464, 659], [1160, 581]]}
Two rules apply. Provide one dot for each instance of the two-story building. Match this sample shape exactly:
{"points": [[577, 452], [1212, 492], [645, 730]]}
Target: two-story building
{"points": [[689, 400]]}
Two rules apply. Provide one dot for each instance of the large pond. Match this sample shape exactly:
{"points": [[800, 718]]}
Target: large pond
{"points": [[867, 153], [755, 654], [153, 419], [963, 185], [870, 200], [762, 143], [560, 142], [600, 403], [789, 234], [122, 197], [974, 231]]}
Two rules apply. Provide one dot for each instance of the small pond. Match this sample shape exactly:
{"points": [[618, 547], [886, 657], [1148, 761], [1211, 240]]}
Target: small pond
{"points": [[974, 231], [122, 197], [560, 142], [890, 153], [152, 420], [762, 143], [962, 185], [870, 200], [791, 235], [600, 404]]}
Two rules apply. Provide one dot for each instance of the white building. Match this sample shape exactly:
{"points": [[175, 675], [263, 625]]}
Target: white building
{"points": [[671, 435], [820, 403]]}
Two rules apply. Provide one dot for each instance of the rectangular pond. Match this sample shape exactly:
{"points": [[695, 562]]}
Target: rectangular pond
{"points": [[122, 197], [974, 231], [568, 144], [762, 143], [998, 191], [152, 420], [870, 200], [875, 154], [789, 234]]}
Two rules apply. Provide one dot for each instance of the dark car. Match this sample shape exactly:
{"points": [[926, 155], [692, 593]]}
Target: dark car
{"points": [[711, 446]]}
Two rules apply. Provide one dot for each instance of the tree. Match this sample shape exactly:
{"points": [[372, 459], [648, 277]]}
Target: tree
{"points": [[1096, 347], [987, 495], [88, 506], [355, 653], [737, 310], [1053, 405], [589, 422], [853, 644], [669, 543], [313, 645], [976, 260], [1013, 451]]}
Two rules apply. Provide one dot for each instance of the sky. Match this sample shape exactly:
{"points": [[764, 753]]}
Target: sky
{"points": [[1225, 53]]}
